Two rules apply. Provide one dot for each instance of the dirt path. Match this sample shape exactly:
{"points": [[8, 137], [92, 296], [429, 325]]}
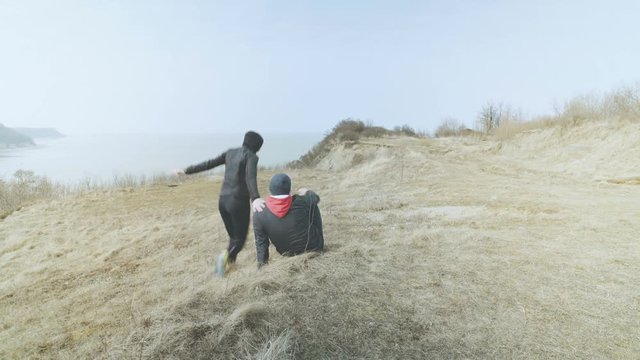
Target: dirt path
{"points": [[448, 248]]}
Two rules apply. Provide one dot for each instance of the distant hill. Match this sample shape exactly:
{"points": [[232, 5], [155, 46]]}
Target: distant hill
{"points": [[37, 133], [12, 138]]}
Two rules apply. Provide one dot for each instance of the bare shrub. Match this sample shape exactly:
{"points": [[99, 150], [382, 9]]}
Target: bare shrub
{"points": [[490, 117], [581, 108], [349, 125], [348, 135], [405, 130], [450, 127], [620, 104], [623, 103], [500, 120], [374, 132], [25, 187], [347, 131], [511, 122]]}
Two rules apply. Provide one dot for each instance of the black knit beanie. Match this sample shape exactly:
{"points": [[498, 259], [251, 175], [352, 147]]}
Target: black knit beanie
{"points": [[280, 184], [253, 141]]}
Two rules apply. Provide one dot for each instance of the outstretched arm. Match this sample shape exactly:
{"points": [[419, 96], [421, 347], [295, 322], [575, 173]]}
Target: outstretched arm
{"points": [[262, 243], [206, 165]]}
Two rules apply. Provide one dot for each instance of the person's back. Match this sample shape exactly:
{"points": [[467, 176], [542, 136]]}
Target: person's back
{"points": [[292, 223], [240, 168], [238, 162]]}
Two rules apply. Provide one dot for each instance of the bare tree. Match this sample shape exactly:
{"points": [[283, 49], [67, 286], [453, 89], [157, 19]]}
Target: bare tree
{"points": [[490, 117]]}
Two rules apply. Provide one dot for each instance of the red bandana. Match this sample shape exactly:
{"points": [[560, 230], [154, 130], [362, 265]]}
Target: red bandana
{"points": [[279, 207]]}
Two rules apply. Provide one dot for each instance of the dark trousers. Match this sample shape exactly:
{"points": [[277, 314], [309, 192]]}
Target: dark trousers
{"points": [[235, 213]]}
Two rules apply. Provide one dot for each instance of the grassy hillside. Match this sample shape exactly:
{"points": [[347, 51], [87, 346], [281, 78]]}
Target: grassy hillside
{"points": [[436, 248], [11, 138]]}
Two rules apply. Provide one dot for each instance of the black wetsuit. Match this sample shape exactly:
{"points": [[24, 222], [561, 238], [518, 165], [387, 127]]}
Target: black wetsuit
{"points": [[239, 188], [300, 230]]}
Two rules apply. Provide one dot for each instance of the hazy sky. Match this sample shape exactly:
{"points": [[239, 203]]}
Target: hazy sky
{"points": [[227, 66]]}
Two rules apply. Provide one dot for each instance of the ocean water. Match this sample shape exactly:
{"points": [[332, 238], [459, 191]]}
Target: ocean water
{"points": [[101, 157]]}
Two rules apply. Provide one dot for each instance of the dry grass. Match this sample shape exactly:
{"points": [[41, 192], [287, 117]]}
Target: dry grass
{"points": [[620, 105], [445, 248], [452, 127], [509, 129], [25, 187]]}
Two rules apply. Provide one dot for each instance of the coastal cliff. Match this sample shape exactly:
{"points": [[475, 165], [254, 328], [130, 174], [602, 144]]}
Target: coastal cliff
{"points": [[12, 138], [39, 133]]}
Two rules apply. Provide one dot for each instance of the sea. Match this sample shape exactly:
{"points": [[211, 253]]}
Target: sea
{"points": [[103, 157]]}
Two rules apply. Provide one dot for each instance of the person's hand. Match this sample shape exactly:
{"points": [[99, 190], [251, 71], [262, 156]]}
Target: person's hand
{"points": [[302, 191], [178, 172], [258, 205]]}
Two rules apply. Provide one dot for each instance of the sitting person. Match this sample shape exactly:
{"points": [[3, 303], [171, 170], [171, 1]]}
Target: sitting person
{"points": [[292, 223]]}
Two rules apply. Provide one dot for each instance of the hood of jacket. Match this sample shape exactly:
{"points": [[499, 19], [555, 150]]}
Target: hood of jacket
{"points": [[280, 205], [253, 141]]}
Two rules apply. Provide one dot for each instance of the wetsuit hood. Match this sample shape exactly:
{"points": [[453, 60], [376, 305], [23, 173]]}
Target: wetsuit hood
{"points": [[253, 141]]}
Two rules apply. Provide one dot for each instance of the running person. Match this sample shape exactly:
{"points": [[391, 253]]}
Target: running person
{"points": [[239, 190]]}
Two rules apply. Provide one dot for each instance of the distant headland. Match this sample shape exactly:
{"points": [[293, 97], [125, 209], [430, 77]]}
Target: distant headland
{"points": [[39, 133], [22, 137]]}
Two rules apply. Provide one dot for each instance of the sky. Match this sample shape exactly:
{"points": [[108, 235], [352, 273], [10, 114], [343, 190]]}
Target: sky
{"points": [[95, 66]]}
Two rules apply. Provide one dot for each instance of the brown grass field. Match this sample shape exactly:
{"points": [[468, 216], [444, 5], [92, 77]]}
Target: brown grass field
{"points": [[526, 247]]}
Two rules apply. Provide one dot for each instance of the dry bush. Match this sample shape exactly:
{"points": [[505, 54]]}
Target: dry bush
{"points": [[348, 135], [349, 125], [622, 104], [450, 127], [513, 123], [496, 115], [490, 117], [347, 131], [405, 130], [579, 109], [508, 130], [619, 104], [374, 132], [25, 187]]}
